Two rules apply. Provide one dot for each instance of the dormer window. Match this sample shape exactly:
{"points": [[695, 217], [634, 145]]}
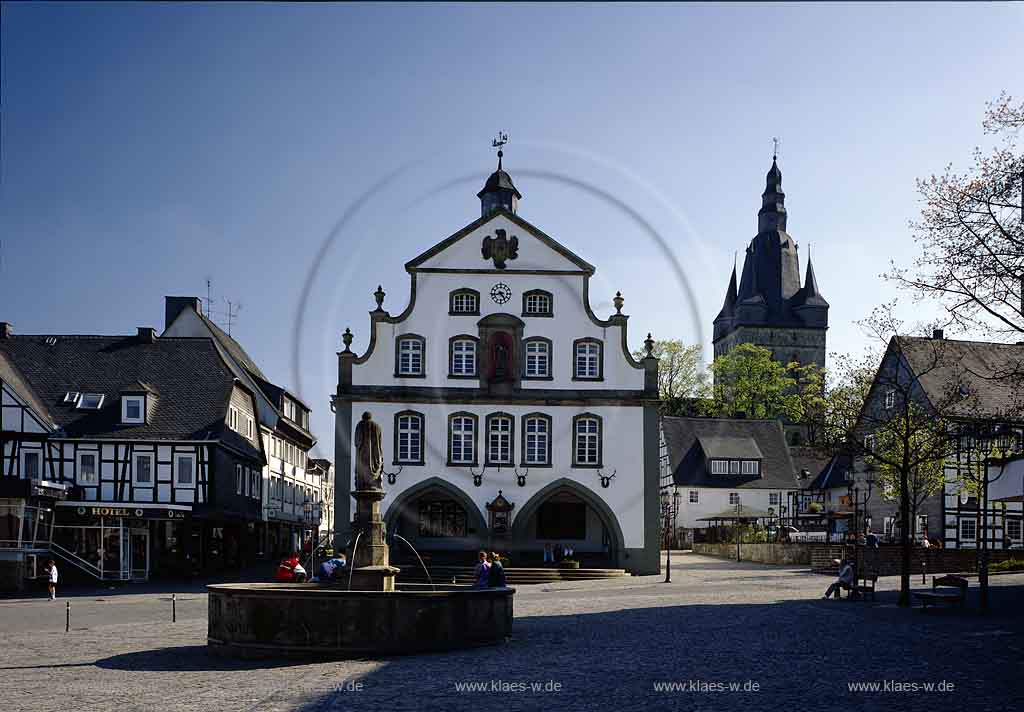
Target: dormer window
{"points": [[133, 409], [464, 301], [537, 302], [735, 467], [90, 401]]}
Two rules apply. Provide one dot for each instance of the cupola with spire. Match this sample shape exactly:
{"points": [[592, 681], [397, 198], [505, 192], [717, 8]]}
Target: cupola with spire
{"points": [[499, 191]]}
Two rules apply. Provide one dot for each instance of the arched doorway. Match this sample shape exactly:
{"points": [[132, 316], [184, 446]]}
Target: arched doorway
{"points": [[567, 513], [437, 518]]}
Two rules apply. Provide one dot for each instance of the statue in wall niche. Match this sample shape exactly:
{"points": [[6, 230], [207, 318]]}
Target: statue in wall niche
{"points": [[369, 454]]}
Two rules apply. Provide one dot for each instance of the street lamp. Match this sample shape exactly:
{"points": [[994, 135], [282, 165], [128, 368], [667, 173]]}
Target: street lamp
{"points": [[671, 515], [853, 492]]}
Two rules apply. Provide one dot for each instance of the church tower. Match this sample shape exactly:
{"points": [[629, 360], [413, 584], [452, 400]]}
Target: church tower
{"points": [[771, 306]]}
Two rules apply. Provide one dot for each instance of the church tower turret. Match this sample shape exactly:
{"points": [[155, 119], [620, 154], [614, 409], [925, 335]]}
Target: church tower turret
{"points": [[499, 192]]}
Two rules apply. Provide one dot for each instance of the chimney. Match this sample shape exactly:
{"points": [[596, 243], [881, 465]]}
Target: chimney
{"points": [[147, 334], [937, 334], [6, 330], [173, 306]]}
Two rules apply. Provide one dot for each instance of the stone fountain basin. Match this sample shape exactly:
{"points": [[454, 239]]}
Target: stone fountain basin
{"points": [[310, 619]]}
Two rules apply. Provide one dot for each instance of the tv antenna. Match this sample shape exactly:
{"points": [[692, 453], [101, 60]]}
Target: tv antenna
{"points": [[232, 314]]}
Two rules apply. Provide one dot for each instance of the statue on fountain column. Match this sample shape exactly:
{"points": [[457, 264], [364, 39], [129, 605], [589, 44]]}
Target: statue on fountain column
{"points": [[369, 454]]}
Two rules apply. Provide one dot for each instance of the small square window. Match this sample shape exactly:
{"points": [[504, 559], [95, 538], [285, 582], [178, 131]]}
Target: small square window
{"points": [[90, 401], [734, 498], [1013, 529], [142, 469], [184, 470], [694, 496], [88, 471], [968, 529], [773, 499], [133, 409]]}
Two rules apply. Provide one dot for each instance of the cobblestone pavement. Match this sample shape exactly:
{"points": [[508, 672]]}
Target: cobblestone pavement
{"points": [[587, 645]]}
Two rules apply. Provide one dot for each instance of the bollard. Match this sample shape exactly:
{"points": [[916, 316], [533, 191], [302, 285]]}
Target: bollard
{"points": [[174, 608], [67, 619], [923, 568]]}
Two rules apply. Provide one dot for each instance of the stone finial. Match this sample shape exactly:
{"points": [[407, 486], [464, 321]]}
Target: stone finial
{"points": [[379, 296], [346, 338], [618, 302], [648, 346]]}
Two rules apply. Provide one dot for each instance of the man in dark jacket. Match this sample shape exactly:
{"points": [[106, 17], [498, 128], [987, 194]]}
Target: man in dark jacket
{"points": [[496, 574]]}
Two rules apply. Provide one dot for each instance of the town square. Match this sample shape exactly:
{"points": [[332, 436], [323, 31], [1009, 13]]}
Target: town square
{"points": [[454, 355]]}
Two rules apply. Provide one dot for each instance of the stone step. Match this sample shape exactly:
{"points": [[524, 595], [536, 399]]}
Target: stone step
{"points": [[514, 575]]}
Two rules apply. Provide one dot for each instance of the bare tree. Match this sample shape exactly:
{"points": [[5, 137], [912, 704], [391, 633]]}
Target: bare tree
{"points": [[971, 233]]}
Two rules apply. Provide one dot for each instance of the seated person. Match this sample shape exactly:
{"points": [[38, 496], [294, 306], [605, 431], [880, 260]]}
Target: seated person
{"points": [[845, 581], [331, 568]]}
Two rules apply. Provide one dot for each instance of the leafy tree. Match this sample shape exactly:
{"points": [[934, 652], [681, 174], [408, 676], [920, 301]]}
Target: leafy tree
{"points": [[749, 381], [682, 379], [971, 233]]}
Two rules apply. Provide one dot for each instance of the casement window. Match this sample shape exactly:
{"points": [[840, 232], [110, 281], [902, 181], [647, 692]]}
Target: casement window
{"points": [[142, 469], [409, 438], [250, 429], [133, 409], [587, 360], [239, 480], [586, 441], [233, 418], [1013, 529], [409, 356], [499, 439], [734, 467], [751, 467], [464, 301], [870, 441], [538, 358], [890, 399], [773, 499], [184, 470], [968, 529], [31, 464], [536, 440], [537, 302], [462, 439], [463, 356], [734, 498], [719, 467], [289, 410], [254, 478], [91, 401], [88, 468], [694, 497]]}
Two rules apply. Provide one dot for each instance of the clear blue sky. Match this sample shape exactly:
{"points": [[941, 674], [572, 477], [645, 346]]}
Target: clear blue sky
{"points": [[146, 148]]}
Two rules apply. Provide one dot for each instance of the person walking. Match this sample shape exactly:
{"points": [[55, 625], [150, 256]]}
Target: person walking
{"points": [[51, 573], [496, 572], [482, 572]]}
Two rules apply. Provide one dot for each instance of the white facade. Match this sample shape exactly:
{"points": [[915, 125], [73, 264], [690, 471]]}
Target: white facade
{"points": [[530, 356], [714, 500]]}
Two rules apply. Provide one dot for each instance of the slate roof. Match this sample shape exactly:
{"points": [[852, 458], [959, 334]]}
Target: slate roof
{"points": [[990, 371], [684, 438], [10, 375], [191, 379], [233, 348], [821, 468]]}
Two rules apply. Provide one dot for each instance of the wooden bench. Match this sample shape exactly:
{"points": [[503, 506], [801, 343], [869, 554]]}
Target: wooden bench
{"points": [[954, 591], [866, 585]]}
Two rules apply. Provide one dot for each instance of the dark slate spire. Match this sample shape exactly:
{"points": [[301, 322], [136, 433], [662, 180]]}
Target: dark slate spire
{"points": [[772, 215], [498, 192], [730, 296], [810, 294]]}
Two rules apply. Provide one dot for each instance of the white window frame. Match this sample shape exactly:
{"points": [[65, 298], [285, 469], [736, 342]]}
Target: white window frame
{"points": [[734, 499], [233, 418], [774, 499], [1020, 528], [136, 456], [79, 467], [410, 438], [586, 442], [964, 522], [694, 496], [499, 440], [463, 357], [239, 483], [409, 350], [177, 469], [469, 305], [870, 442], [890, 399], [538, 440], [38, 454], [249, 427], [734, 467], [254, 484], [750, 467], [538, 304], [719, 467], [587, 361], [125, 401], [463, 431], [85, 398], [538, 353]]}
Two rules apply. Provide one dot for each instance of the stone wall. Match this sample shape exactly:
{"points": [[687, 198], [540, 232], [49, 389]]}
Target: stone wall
{"points": [[786, 554]]}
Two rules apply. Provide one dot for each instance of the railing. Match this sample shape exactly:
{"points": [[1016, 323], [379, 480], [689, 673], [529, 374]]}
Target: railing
{"points": [[89, 567]]}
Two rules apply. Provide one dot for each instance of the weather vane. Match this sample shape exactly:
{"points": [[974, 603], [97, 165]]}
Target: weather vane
{"points": [[775, 147], [499, 143]]}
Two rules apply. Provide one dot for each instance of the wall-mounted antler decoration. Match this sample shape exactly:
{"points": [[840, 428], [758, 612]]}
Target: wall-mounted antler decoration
{"points": [[392, 476], [606, 480], [521, 476], [478, 477]]}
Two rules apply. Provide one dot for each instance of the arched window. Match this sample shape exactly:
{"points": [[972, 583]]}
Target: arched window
{"points": [[408, 438], [537, 302], [462, 439], [410, 356], [586, 448], [588, 360], [462, 356], [500, 427], [536, 447], [537, 358], [464, 301]]}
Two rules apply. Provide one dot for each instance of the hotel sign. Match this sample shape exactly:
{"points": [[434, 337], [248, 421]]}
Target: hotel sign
{"points": [[134, 512]]}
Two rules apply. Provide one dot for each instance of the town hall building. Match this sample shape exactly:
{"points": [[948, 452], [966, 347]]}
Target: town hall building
{"points": [[513, 415]]}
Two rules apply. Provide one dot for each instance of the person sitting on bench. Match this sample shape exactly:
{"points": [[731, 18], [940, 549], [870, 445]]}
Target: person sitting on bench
{"points": [[845, 580]]}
